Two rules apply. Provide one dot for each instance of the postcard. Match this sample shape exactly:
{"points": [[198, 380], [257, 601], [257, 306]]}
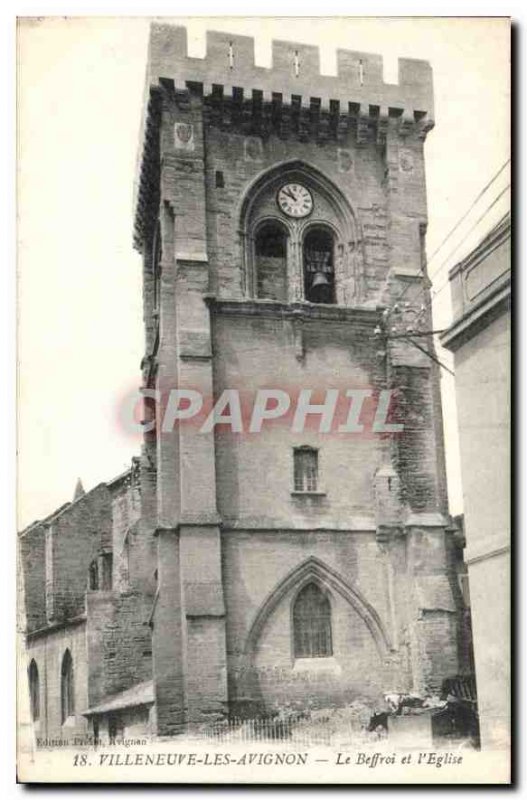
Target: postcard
{"points": [[263, 398]]}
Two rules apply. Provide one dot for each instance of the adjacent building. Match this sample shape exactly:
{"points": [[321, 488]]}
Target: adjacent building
{"points": [[479, 337]]}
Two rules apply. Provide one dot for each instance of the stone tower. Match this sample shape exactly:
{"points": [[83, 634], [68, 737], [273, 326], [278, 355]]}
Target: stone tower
{"points": [[280, 214]]}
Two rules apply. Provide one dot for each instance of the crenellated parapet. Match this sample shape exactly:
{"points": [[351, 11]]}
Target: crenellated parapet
{"points": [[295, 73], [290, 100]]}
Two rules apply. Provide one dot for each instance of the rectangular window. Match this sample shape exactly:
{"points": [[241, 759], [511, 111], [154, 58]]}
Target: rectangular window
{"points": [[306, 469]]}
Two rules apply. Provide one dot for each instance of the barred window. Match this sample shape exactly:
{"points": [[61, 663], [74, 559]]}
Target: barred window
{"points": [[306, 469], [67, 694], [312, 623], [34, 691]]}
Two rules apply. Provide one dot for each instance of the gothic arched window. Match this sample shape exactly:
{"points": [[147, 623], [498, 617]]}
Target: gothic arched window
{"points": [[67, 694], [319, 268], [270, 249], [312, 623], [34, 691]]}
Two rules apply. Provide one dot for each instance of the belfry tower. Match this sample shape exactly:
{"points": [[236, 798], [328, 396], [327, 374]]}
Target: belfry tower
{"points": [[281, 213]]}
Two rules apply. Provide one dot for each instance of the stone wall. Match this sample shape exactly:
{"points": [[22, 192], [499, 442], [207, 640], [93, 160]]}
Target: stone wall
{"points": [[260, 350], [263, 572], [32, 554], [79, 535], [119, 642], [56, 555], [105, 629]]}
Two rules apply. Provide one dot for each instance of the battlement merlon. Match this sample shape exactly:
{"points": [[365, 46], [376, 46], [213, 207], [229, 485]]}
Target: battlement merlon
{"points": [[229, 62]]}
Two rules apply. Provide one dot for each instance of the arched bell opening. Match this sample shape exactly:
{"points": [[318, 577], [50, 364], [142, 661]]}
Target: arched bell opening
{"points": [[318, 256], [270, 255], [330, 234]]}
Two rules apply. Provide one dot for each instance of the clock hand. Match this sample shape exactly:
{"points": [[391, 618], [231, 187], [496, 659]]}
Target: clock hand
{"points": [[289, 193]]}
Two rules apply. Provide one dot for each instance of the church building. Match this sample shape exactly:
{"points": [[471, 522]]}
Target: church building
{"points": [[281, 218]]}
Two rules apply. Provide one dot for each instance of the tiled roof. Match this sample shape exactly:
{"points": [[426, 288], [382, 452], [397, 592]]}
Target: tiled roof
{"points": [[141, 694]]}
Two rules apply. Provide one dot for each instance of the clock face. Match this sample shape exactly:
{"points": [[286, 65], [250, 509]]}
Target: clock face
{"points": [[295, 200]]}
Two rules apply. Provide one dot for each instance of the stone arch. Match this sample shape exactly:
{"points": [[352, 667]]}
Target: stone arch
{"points": [[345, 224], [315, 570], [297, 169]]}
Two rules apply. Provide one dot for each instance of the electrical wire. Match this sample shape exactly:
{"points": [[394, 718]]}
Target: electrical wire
{"points": [[498, 197], [436, 292], [456, 226], [431, 356], [465, 215]]}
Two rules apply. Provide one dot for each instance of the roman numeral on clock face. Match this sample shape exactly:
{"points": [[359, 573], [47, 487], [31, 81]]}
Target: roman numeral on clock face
{"points": [[294, 200]]}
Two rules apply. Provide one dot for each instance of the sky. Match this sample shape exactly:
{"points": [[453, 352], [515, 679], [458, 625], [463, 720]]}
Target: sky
{"points": [[80, 330]]}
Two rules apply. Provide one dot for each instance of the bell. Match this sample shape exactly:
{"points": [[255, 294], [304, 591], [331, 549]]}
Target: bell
{"points": [[320, 288], [319, 279]]}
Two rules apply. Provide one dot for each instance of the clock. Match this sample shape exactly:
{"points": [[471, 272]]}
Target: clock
{"points": [[295, 200]]}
